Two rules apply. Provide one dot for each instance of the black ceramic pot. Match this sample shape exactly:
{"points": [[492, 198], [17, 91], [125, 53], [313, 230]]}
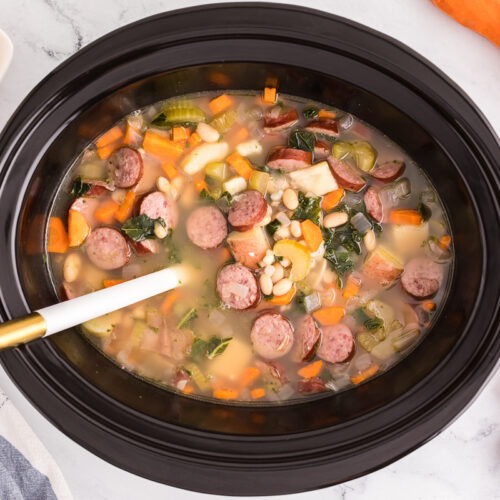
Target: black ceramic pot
{"points": [[243, 450]]}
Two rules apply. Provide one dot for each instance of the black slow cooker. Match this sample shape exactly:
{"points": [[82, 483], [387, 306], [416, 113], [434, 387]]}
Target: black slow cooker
{"points": [[241, 449]]}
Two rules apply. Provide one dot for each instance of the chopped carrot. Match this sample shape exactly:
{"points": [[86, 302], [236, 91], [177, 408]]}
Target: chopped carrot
{"points": [[158, 145], [428, 305], [283, 300], [169, 169], [169, 301], [240, 135], [58, 239], [188, 389], [240, 164], [225, 393], [110, 137], [180, 134], [351, 289], [323, 113], [78, 229], [106, 211], [249, 375], [311, 370], [220, 103], [331, 199], [109, 283], [224, 255], [360, 377], [311, 234], [329, 315], [257, 393], [194, 139], [130, 134], [270, 95], [444, 241], [105, 152], [405, 216], [125, 209], [200, 185]]}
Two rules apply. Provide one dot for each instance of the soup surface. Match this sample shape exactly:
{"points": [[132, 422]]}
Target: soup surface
{"points": [[317, 250]]}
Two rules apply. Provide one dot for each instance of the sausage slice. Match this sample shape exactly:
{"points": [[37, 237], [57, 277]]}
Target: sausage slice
{"points": [[337, 343], [321, 150], [422, 277], [206, 227], [145, 247], [289, 159], [280, 122], [388, 171], [237, 287], [127, 167], [156, 205], [373, 204], [346, 175], [323, 126], [311, 386], [107, 248], [307, 336], [247, 210], [272, 335]]}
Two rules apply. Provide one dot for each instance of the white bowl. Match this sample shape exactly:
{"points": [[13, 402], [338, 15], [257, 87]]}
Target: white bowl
{"points": [[6, 50]]}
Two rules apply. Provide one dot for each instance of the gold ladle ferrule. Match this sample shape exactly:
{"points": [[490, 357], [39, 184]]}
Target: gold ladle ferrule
{"points": [[21, 330]]}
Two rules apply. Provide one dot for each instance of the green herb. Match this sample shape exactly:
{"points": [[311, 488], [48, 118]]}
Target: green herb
{"points": [[300, 300], [425, 211], [187, 318], [278, 258], [173, 254], [346, 236], [272, 227], [141, 227], [340, 261], [310, 112], [217, 346], [325, 375], [302, 139], [80, 188], [198, 349], [262, 168], [268, 297], [224, 202], [161, 121], [360, 316], [373, 323], [309, 208], [205, 195]]}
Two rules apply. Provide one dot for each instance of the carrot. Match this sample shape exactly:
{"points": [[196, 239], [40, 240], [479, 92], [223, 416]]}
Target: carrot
{"points": [[169, 169], [257, 393], [240, 164], [224, 255], [111, 136], [105, 152], [444, 241], [249, 375], [329, 315], [158, 145], [169, 301], [351, 289], [201, 185], [180, 134], [323, 113], [225, 393], [106, 211], [194, 139], [108, 283], [57, 241], [240, 135], [188, 389], [78, 229], [130, 134], [220, 103], [428, 305], [405, 216], [283, 300], [125, 209], [311, 234], [270, 95], [360, 377], [311, 370], [331, 199]]}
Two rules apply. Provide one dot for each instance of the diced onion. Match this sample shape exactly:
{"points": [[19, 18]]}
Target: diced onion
{"points": [[362, 362], [361, 223], [312, 302], [236, 289], [283, 218], [346, 121]]}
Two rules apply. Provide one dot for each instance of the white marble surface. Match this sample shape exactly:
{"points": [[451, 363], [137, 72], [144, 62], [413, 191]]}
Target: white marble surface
{"points": [[461, 463]]}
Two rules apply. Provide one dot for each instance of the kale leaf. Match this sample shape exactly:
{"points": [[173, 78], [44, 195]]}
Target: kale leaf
{"points": [[424, 211], [310, 112], [302, 139], [214, 347], [273, 226], [80, 188], [309, 208], [187, 318], [141, 227]]}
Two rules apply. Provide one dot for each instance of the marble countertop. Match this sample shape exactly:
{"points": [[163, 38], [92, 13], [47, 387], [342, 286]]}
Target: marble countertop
{"points": [[463, 462]]}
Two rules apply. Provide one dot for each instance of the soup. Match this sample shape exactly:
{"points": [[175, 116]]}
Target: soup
{"points": [[317, 250]]}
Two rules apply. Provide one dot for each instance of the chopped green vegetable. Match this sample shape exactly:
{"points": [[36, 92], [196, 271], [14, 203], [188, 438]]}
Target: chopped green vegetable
{"points": [[362, 152], [340, 262], [198, 349], [404, 340], [80, 188], [141, 227], [310, 112], [217, 346], [302, 139], [224, 121], [197, 377], [360, 316], [224, 202], [273, 226], [172, 249], [205, 195], [367, 340], [309, 208], [425, 211], [187, 318], [373, 323]]}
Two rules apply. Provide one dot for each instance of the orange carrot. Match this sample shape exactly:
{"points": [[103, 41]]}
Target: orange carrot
{"points": [[283, 300], [360, 377], [57, 239], [405, 216], [194, 139], [249, 375], [220, 103], [180, 134], [323, 113], [131, 134], [125, 209], [331, 199], [169, 301], [311, 234], [78, 229], [188, 389], [224, 255], [169, 169], [428, 305], [201, 185], [240, 164], [106, 211], [444, 241], [225, 393], [257, 393], [105, 152], [111, 136], [270, 95], [311, 370], [240, 135], [108, 283], [329, 315], [158, 145], [351, 289]]}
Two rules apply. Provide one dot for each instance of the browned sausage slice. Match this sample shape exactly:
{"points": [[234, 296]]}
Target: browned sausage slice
{"points": [[323, 126], [99, 188], [321, 150], [289, 159], [388, 171], [307, 336], [373, 204], [107, 248], [280, 122], [346, 175], [145, 247], [206, 227], [247, 210], [422, 277], [156, 205], [311, 386], [127, 167], [272, 335], [237, 286], [336, 344]]}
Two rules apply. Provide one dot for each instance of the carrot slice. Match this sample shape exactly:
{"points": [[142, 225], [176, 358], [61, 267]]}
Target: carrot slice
{"points": [[194, 139], [444, 241], [360, 377], [200, 185], [311, 370], [250, 374], [351, 289], [428, 305], [131, 134], [169, 169], [169, 301], [331, 199], [240, 164], [158, 145], [311, 234], [188, 389], [105, 152], [329, 315], [125, 209], [323, 113], [180, 134], [405, 216], [224, 255], [108, 283], [78, 229], [57, 241], [270, 95], [257, 393], [240, 135], [106, 211], [220, 103], [225, 393], [283, 300], [111, 136]]}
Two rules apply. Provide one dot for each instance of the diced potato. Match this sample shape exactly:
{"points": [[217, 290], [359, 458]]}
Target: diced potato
{"points": [[203, 154], [248, 247], [408, 239], [298, 255], [317, 179], [249, 148], [232, 362], [235, 185], [382, 266], [103, 325], [93, 170]]}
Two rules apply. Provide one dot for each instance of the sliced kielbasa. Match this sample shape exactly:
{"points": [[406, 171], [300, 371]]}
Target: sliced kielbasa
{"points": [[373, 204], [274, 123], [237, 286], [336, 344], [272, 335], [323, 126], [247, 210], [388, 171], [107, 248], [206, 227], [156, 205], [307, 336], [99, 188], [422, 277], [127, 167], [346, 175], [145, 247], [86, 206], [289, 159], [311, 385], [321, 150]]}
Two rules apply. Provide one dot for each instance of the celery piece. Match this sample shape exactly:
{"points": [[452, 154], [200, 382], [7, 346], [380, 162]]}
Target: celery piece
{"points": [[404, 339], [224, 121], [367, 341]]}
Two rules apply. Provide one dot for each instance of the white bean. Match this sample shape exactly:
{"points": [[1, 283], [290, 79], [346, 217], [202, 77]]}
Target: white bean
{"points": [[269, 258], [290, 199], [369, 240], [266, 284], [285, 262], [72, 267], [160, 231], [295, 229], [269, 270], [283, 286], [163, 184], [278, 273], [207, 133], [282, 233], [277, 195], [335, 219]]}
